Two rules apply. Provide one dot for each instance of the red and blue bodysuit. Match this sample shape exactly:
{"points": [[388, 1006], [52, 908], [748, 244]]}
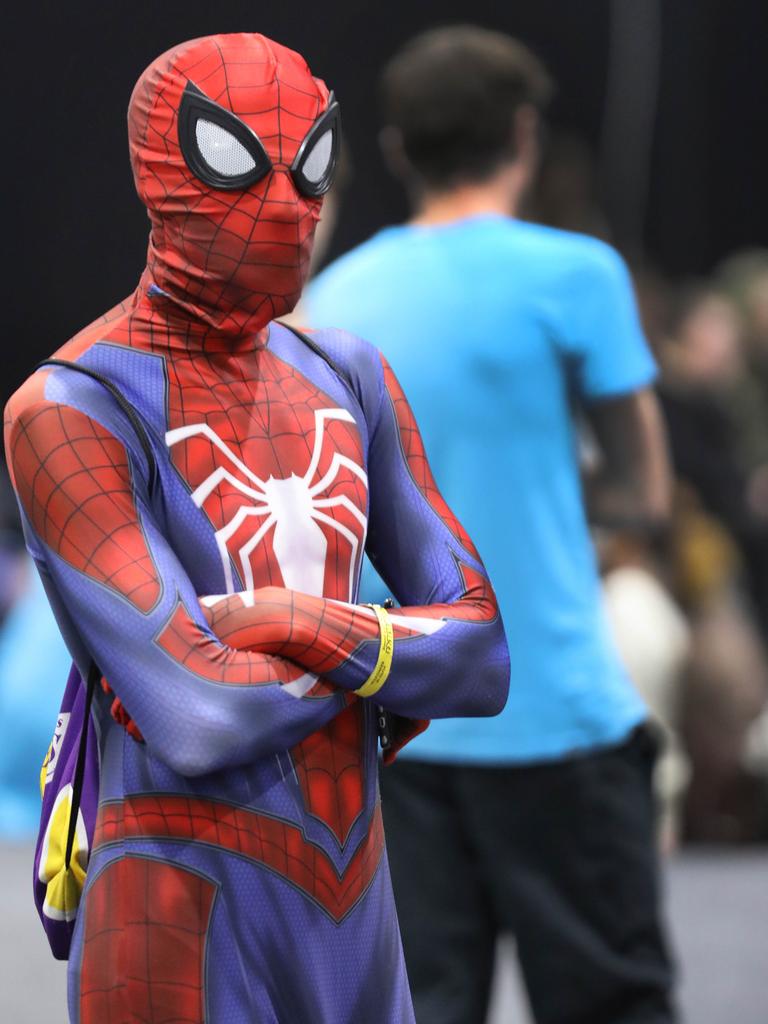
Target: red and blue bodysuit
{"points": [[238, 872]]}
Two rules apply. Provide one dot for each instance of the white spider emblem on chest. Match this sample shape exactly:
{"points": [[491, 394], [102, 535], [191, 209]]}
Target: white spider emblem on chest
{"points": [[292, 507]]}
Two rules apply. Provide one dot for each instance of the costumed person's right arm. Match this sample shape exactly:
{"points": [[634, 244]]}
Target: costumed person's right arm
{"points": [[125, 599]]}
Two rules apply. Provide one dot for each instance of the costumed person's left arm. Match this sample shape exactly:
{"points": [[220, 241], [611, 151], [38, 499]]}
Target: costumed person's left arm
{"points": [[449, 654]]}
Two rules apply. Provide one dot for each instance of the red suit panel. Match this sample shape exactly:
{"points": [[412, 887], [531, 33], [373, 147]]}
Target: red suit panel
{"points": [[277, 845], [71, 477], [144, 944]]}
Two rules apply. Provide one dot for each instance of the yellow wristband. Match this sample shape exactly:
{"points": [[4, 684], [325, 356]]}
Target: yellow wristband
{"points": [[380, 674]]}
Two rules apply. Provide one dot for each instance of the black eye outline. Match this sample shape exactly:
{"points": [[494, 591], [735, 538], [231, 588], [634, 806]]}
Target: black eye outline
{"points": [[330, 119], [196, 106]]}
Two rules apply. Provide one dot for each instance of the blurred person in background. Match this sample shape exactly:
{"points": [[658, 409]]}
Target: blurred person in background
{"points": [[744, 278], [717, 415], [653, 638], [34, 662], [541, 821], [33, 666], [718, 426], [564, 194]]}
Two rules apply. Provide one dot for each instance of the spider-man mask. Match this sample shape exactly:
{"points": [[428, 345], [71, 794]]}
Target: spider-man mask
{"points": [[233, 144]]}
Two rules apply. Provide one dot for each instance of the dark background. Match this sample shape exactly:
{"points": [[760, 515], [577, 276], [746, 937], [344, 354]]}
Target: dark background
{"points": [[75, 234]]}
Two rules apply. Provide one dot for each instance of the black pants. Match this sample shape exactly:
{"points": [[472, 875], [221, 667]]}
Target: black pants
{"points": [[560, 854]]}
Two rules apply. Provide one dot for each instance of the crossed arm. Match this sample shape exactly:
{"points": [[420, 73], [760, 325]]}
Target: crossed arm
{"points": [[450, 655], [200, 701]]}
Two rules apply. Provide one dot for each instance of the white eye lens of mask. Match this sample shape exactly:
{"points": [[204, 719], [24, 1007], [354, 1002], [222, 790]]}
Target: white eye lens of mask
{"points": [[221, 151], [315, 166]]}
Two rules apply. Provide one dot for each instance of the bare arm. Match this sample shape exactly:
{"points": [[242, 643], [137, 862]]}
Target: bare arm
{"points": [[633, 482]]}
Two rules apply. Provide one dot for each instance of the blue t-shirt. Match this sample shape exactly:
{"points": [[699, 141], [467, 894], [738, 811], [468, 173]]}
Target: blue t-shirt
{"points": [[492, 326]]}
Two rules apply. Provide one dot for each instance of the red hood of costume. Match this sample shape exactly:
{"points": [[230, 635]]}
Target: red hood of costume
{"points": [[231, 258]]}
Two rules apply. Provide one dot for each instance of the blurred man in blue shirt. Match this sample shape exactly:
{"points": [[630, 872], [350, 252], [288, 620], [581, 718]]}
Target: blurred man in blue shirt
{"points": [[539, 820]]}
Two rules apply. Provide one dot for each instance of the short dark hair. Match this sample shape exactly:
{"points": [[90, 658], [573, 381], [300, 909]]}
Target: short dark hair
{"points": [[452, 94]]}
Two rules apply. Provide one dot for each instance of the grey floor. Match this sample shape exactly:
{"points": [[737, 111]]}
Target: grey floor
{"points": [[718, 917], [718, 910]]}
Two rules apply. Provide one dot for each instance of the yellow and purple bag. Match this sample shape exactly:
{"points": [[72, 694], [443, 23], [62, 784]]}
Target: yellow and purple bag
{"points": [[69, 785]]}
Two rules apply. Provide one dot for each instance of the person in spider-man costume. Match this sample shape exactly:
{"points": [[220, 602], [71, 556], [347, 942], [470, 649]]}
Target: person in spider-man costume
{"points": [[238, 871]]}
